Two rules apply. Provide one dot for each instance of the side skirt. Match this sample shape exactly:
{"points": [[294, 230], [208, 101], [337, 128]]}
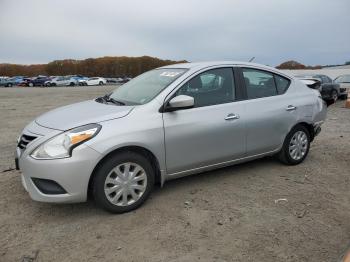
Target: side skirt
{"points": [[215, 166]]}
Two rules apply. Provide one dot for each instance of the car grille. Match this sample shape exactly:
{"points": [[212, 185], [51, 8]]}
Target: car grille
{"points": [[25, 140]]}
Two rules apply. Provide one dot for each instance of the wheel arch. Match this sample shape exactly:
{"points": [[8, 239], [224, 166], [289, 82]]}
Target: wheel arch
{"points": [[309, 128], [136, 149]]}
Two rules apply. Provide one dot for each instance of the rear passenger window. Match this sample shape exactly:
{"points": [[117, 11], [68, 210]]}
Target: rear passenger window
{"points": [[282, 84], [259, 83]]}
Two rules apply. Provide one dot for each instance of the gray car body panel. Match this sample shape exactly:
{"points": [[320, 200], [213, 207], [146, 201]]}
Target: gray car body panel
{"points": [[183, 142], [82, 113]]}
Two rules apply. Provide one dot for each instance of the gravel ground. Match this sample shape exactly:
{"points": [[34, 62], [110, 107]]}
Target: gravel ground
{"points": [[226, 215]]}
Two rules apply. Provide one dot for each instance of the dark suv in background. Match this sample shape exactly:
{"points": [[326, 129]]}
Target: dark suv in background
{"points": [[330, 91]]}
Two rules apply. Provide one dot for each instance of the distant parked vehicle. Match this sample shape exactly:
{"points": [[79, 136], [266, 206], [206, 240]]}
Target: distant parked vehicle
{"points": [[38, 81], [344, 82], [2, 81], [329, 90], [79, 78], [63, 81], [11, 81], [113, 80], [24, 81], [3, 78], [124, 80], [92, 81]]}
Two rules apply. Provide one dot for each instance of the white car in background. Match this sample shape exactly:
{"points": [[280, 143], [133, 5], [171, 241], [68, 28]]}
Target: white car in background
{"points": [[92, 81], [62, 81]]}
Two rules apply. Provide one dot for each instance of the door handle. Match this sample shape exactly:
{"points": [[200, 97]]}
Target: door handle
{"points": [[291, 108], [231, 117]]}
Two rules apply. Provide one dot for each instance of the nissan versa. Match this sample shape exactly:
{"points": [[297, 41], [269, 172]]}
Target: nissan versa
{"points": [[167, 123]]}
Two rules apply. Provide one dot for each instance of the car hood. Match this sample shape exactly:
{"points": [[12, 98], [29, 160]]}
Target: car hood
{"points": [[82, 113]]}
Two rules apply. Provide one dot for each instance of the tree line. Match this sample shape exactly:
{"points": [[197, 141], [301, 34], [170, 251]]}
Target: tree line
{"points": [[104, 66], [296, 65]]}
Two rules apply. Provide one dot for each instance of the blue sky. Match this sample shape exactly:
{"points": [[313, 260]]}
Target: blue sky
{"points": [[311, 32]]}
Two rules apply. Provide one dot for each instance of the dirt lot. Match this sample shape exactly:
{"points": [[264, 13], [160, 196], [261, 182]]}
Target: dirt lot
{"points": [[229, 215]]}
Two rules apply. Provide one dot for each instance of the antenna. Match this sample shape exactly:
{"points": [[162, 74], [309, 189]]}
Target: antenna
{"points": [[251, 59]]}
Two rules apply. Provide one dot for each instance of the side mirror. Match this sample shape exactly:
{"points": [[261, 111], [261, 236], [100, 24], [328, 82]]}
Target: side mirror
{"points": [[180, 102]]}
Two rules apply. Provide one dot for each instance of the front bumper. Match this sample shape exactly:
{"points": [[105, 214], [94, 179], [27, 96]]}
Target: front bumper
{"points": [[72, 174]]}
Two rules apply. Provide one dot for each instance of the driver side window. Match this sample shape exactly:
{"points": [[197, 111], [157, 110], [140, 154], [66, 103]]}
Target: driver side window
{"points": [[212, 87]]}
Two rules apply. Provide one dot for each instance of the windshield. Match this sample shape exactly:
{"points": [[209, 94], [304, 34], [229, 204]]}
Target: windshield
{"points": [[147, 86], [343, 79]]}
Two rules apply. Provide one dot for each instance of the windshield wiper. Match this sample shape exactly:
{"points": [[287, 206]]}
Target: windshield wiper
{"points": [[114, 101], [108, 99]]}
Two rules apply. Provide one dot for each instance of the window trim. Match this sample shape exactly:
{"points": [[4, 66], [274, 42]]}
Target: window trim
{"points": [[263, 70], [238, 88], [289, 83]]}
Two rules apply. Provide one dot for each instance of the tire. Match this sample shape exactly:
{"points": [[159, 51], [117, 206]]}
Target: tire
{"points": [[343, 97], [100, 83], [10, 85], [117, 201], [334, 95], [71, 84], [289, 156], [30, 84]]}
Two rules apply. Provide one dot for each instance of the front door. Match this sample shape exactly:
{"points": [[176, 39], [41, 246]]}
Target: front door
{"points": [[210, 133]]}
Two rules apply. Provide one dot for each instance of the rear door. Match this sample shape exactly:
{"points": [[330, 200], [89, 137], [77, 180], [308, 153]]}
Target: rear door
{"points": [[210, 133], [269, 110]]}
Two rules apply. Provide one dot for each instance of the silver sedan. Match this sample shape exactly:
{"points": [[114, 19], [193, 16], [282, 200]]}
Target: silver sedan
{"points": [[167, 123]]}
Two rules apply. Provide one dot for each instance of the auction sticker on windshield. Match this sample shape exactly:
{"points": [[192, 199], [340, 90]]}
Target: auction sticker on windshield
{"points": [[170, 74]]}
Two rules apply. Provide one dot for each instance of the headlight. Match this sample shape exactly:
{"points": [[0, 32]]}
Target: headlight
{"points": [[61, 146]]}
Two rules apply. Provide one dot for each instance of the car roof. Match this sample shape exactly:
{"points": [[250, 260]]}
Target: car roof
{"points": [[201, 65], [212, 63]]}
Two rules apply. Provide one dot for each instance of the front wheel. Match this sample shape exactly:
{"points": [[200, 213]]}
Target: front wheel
{"points": [[30, 84], [100, 83], [123, 182], [296, 146]]}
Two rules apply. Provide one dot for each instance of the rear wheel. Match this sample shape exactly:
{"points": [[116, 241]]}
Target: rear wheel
{"points": [[343, 97], [123, 182], [296, 146], [31, 84], [334, 95], [100, 83]]}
